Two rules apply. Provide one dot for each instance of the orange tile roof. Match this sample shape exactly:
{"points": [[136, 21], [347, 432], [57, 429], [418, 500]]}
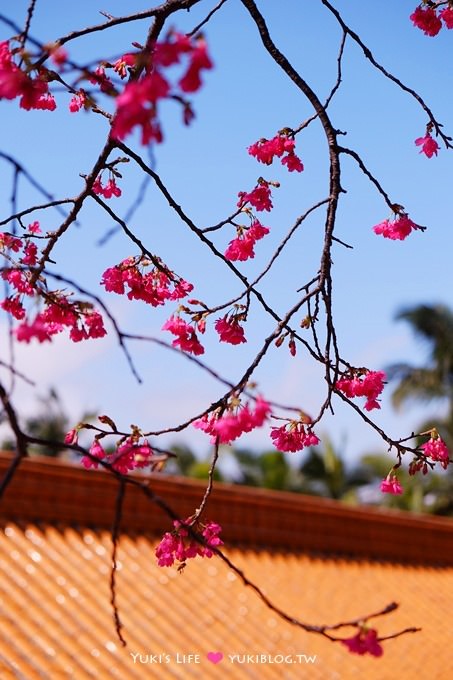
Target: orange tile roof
{"points": [[56, 617]]}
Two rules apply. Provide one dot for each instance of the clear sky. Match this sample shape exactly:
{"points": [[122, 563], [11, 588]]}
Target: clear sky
{"points": [[246, 97]]}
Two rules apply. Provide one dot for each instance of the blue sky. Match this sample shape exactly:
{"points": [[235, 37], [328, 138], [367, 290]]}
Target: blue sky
{"points": [[244, 98]]}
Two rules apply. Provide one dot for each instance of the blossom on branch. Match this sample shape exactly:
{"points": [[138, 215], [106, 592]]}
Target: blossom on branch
{"points": [[34, 92], [259, 197], [265, 150], [137, 105], [436, 449], [179, 546], [429, 146], [363, 383], [365, 642], [186, 337], [293, 436], [391, 485], [154, 286], [230, 330], [397, 229], [242, 247], [235, 421], [107, 191]]}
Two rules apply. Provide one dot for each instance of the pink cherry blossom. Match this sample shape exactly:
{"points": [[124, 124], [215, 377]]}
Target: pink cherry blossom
{"points": [[447, 16], [293, 163], [146, 281], [365, 642], [436, 449], [13, 306], [30, 256], [78, 101], [97, 451], [242, 247], [199, 60], [293, 437], [391, 485], [38, 329], [259, 197], [366, 383], [130, 455], [34, 228], [107, 191], [72, 436], [186, 337], [234, 422], [397, 229], [429, 145], [265, 150], [9, 242], [426, 20], [230, 330], [180, 546], [124, 63], [100, 78]]}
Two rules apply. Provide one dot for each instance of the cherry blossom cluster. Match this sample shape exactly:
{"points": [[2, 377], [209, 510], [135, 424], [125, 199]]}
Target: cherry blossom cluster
{"points": [[242, 247], [59, 311], [436, 449], [186, 335], [179, 546], [131, 453], [282, 146], [363, 383], [259, 197], [397, 228], [229, 328], [137, 105], [149, 281], [365, 642], [226, 425], [15, 82], [294, 435], [429, 20], [108, 190], [78, 101]]}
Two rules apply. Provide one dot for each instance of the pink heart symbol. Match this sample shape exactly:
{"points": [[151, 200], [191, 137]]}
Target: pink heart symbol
{"points": [[215, 657]]}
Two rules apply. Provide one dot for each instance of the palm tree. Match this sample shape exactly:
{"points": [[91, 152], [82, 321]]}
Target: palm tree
{"points": [[434, 324]]}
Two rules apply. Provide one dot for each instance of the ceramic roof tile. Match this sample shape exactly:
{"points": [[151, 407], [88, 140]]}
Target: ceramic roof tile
{"points": [[56, 616]]}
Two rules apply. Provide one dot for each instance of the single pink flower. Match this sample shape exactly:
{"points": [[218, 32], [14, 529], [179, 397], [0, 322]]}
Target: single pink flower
{"points": [[429, 145], [397, 229], [72, 436], [293, 162], [391, 485]]}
